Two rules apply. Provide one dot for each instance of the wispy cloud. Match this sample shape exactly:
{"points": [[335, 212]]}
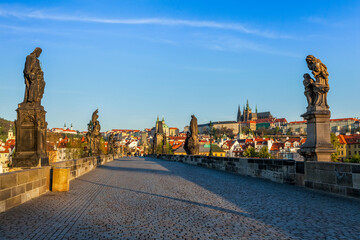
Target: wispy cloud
{"points": [[235, 44], [146, 21]]}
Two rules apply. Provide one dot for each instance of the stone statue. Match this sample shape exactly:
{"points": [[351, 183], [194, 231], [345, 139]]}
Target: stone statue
{"points": [[191, 145], [31, 124], [34, 78], [94, 136], [317, 146], [316, 90], [111, 144]]}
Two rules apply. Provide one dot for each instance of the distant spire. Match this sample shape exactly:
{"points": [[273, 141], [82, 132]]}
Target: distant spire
{"points": [[238, 119], [256, 109], [157, 118], [163, 118], [247, 104], [64, 125]]}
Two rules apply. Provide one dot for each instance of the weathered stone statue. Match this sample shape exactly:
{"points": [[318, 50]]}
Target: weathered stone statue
{"points": [[317, 146], [31, 124], [111, 142], [34, 78], [93, 135], [316, 90], [191, 145]]}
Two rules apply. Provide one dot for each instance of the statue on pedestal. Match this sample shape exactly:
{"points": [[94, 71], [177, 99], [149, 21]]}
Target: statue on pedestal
{"points": [[191, 145], [31, 125], [317, 146], [93, 135]]}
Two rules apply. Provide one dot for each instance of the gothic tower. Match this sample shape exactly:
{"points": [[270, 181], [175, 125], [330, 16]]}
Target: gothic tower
{"points": [[238, 119]]}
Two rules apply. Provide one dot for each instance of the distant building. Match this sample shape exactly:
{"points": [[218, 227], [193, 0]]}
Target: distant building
{"points": [[349, 146], [204, 150], [246, 118], [340, 125], [64, 130]]}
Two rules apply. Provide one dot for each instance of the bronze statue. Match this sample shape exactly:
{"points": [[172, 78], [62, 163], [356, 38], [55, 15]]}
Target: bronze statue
{"points": [[316, 90], [191, 145], [34, 78]]}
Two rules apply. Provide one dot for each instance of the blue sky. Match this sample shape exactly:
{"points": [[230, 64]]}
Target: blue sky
{"points": [[135, 60]]}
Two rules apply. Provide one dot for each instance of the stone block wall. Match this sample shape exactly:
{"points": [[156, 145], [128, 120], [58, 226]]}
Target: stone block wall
{"points": [[337, 178], [21, 186], [81, 166], [277, 170]]}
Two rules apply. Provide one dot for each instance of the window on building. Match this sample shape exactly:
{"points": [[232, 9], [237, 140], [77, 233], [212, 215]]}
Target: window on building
{"points": [[349, 152]]}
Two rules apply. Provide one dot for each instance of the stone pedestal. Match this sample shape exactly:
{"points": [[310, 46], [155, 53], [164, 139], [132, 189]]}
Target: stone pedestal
{"points": [[317, 146], [61, 179], [30, 149]]}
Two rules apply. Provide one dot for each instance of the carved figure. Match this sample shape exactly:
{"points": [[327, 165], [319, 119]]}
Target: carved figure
{"points": [[31, 124], [34, 78], [316, 90], [191, 145], [94, 136], [111, 144]]}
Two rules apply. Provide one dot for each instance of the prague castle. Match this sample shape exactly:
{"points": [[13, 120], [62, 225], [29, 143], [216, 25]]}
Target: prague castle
{"points": [[246, 118]]}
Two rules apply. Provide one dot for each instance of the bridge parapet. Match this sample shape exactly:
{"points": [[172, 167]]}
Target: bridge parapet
{"points": [[20, 186], [336, 178]]}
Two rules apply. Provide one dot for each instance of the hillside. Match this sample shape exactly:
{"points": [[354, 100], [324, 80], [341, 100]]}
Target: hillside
{"points": [[4, 128]]}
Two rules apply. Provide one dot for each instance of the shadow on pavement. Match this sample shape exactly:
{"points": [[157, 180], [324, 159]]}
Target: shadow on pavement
{"points": [[170, 198], [285, 206]]}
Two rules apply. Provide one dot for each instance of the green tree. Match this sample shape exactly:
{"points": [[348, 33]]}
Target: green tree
{"points": [[353, 159], [335, 142], [250, 152], [277, 131], [264, 153]]}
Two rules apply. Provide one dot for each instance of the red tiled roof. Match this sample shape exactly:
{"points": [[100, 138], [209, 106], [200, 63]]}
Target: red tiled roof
{"points": [[352, 139], [276, 146]]}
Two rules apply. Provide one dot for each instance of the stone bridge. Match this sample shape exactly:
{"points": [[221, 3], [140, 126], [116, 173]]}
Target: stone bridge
{"points": [[149, 198]]}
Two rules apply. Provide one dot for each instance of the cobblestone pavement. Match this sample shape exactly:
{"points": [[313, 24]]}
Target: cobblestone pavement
{"points": [[146, 198]]}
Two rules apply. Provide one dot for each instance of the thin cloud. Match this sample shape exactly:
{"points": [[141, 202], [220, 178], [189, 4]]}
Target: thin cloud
{"points": [[232, 44], [145, 21]]}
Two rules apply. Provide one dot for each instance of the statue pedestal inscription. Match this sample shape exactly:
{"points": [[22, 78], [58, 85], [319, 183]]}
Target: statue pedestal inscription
{"points": [[30, 144], [30, 137], [317, 146]]}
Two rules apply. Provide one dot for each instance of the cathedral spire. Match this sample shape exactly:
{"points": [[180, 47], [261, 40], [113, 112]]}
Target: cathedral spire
{"points": [[238, 119], [256, 109], [247, 104]]}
